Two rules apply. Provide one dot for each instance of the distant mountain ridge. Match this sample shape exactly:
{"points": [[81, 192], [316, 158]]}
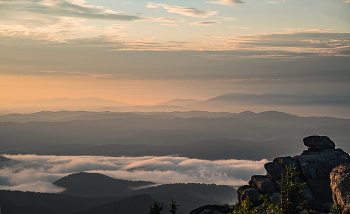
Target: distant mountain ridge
{"points": [[116, 133], [180, 102], [301, 104]]}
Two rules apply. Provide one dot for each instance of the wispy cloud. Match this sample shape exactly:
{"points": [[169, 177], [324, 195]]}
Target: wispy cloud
{"points": [[186, 11], [161, 19], [36, 173], [205, 23], [276, 1], [229, 19], [64, 8], [227, 2], [245, 28]]}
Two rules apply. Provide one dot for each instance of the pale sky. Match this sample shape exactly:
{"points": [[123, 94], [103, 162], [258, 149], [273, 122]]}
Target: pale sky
{"points": [[144, 52]]}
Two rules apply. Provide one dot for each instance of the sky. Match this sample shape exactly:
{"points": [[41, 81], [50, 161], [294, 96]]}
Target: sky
{"points": [[146, 52]]}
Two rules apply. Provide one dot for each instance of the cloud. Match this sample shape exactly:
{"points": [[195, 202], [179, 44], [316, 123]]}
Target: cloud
{"points": [[54, 19], [291, 43], [161, 19], [229, 19], [227, 2], [63, 8], [245, 28], [153, 5], [186, 11], [36, 173], [205, 23], [346, 1], [276, 1]]}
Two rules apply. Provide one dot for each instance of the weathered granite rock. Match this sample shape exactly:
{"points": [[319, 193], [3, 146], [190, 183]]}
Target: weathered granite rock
{"points": [[286, 161], [275, 198], [320, 166], [327, 207], [265, 184], [321, 189], [315, 165], [340, 185], [278, 183], [240, 191], [312, 202], [318, 142], [253, 194], [274, 169]]}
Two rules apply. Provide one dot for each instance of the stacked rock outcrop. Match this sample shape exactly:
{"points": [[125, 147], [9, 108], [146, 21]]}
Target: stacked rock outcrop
{"points": [[314, 166]]}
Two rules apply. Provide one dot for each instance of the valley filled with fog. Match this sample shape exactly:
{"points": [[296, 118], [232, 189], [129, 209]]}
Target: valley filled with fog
{"points": [[196, 157]]}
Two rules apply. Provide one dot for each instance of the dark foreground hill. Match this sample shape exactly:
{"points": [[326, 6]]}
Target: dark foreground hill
{"points": [[189, 195], [137, 204], [30, 209], [58, 203], [97, 185]]}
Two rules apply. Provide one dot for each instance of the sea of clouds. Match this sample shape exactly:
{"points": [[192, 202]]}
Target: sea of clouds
{"points": [[37, 173]]}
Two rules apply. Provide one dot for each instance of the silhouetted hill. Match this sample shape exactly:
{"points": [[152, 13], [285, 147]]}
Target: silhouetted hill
{"points": [[220, 193], [282, 99], [96, 185], [29, 209], [137, 204], [3, 159], [180, 102], [189, 196], [59, 203]]}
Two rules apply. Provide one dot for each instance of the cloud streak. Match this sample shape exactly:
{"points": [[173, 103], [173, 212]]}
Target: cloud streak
{"points": [[227, 2], [64, 8], [186, 11], [205, 23], [161, 19], [36, 173]]}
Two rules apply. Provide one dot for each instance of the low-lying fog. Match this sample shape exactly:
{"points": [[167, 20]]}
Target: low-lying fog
{"points": [[36, 173]]}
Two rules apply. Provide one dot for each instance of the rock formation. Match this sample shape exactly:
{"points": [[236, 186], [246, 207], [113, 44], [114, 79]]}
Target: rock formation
{"points": [[314, 166], [340, 184]]}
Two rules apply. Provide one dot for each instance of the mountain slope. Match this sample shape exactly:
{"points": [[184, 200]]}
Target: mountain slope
{"points": [[96, 185]]}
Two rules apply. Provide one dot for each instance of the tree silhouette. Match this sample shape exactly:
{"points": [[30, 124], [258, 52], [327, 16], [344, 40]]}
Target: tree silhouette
{"points": [[156, 208], [292, 200], [173, 206]]}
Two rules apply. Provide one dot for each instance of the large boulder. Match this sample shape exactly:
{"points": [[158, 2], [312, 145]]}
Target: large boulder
{"points": [[240, 191], [265, 184], [340, 185], [312, 202], [287, 161], [321, 189], [253, 195], [274, 169], [318, 142], [320, 166]]}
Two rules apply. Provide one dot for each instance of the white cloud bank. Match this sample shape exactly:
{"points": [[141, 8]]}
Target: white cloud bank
{"points": [[36, 173]]}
